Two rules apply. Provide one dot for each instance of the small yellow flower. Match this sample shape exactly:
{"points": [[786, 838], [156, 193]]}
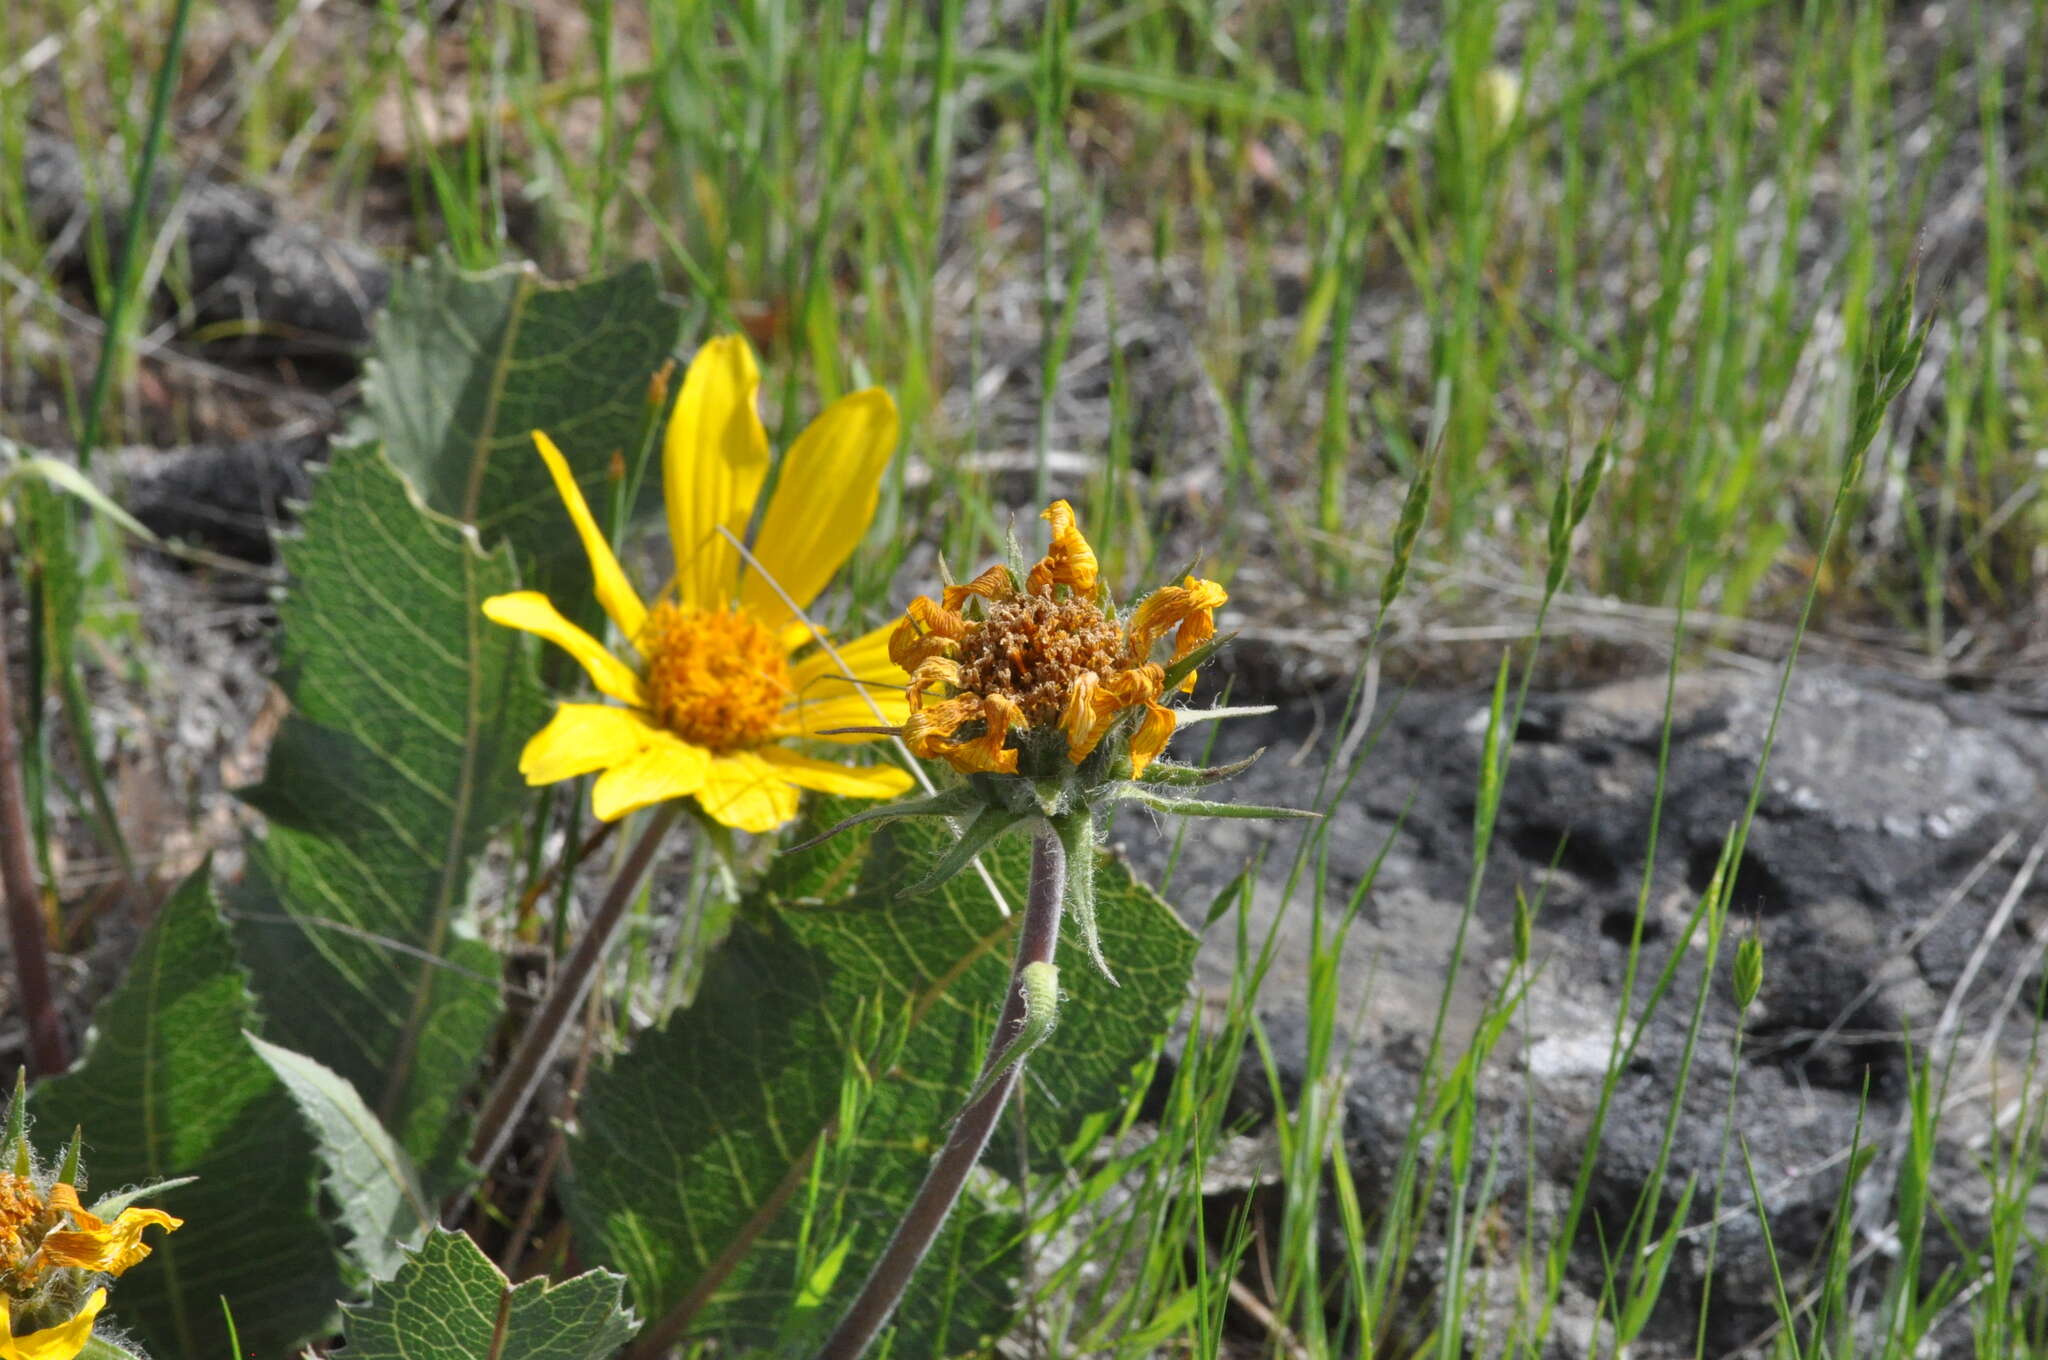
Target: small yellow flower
{"points": [[1045, 655], [722, 671], [61, 1342]]}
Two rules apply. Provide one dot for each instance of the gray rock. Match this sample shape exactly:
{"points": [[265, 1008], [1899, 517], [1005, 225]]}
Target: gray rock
{"points": [[1890, 830], [294, 290]]}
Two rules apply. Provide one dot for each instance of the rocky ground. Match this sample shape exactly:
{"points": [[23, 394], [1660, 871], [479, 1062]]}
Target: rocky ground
{"points": [[1890, 875]]}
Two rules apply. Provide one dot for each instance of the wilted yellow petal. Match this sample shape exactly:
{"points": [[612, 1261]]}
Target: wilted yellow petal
{"points": [[714, 456], [825, 776], [1087, 716], [986, 753], [615, 594], [1198, 627], [745, 792], [924, 730], [993, 584], [824, 498], [1169, 605], [933, 670], [1150, 738], [584, 737], [928, 629], [62, 1342], [94, 1244], [533, 612], [1069, 561]]}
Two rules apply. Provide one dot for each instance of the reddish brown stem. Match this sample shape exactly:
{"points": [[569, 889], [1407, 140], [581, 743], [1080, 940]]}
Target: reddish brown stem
{"points": [[49, 1050], [543, 1179], [1036, 943], [516, 1084]]}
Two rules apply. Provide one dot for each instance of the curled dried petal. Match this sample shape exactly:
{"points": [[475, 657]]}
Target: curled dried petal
{"points": [[1138, 685], [933, 670], [1087, 716], [924, 732], [1170, 605], [928, 629], [986, 753], [1069, 561], [96, 1245], [993, 584], [1150, 738], [1197, 628]]}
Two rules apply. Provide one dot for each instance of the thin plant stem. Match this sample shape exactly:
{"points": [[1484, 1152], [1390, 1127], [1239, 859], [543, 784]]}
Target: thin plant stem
{"points": [[516, 1084], [1036, 942], [551, 1160], [48, 1047], [131, 245]]}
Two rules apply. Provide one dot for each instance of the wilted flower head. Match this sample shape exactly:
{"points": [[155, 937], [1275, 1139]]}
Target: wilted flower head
{"points": [[719, 672], [55, 1253], [1011, 676], [1033, 685]]}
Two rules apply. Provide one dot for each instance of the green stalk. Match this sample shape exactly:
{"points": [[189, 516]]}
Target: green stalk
{"points": [[131, 244], [1036, 942]]}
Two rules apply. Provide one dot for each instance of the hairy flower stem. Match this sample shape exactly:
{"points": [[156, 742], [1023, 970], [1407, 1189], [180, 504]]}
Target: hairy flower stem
{"points": [[521, 1077], [1036, 942], [46, 1042]]}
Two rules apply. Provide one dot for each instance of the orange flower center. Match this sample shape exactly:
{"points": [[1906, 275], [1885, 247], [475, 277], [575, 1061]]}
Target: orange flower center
{"points": [[715, 677], [23, 1215], [1032, 650]]}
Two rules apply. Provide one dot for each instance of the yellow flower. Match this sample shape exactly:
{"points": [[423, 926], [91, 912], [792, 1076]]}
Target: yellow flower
{"points": [[722, 671], [61, 1342], [1043, 656]]}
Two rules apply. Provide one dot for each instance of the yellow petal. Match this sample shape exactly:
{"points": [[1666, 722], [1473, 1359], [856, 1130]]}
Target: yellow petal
{"points": [[585, 737], [1169, 605], [1150, 738], [986, 753], [615, 594], [668, 767], [62, 1342], [94, 1244], [928, 628], [924, 730], [1087, 716], [992, 584], [1069, 561], [814, 719], [865, 658], [831, 479], [826, 776], [713, 458], [533, 612], [745, 792]]}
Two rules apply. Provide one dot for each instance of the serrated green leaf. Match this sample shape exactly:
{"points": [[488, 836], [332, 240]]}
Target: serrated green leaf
{"points": [[171, 1087], [395, 767], [448, 1302], [691, 1187], [376, 1194], [463, 368]]}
